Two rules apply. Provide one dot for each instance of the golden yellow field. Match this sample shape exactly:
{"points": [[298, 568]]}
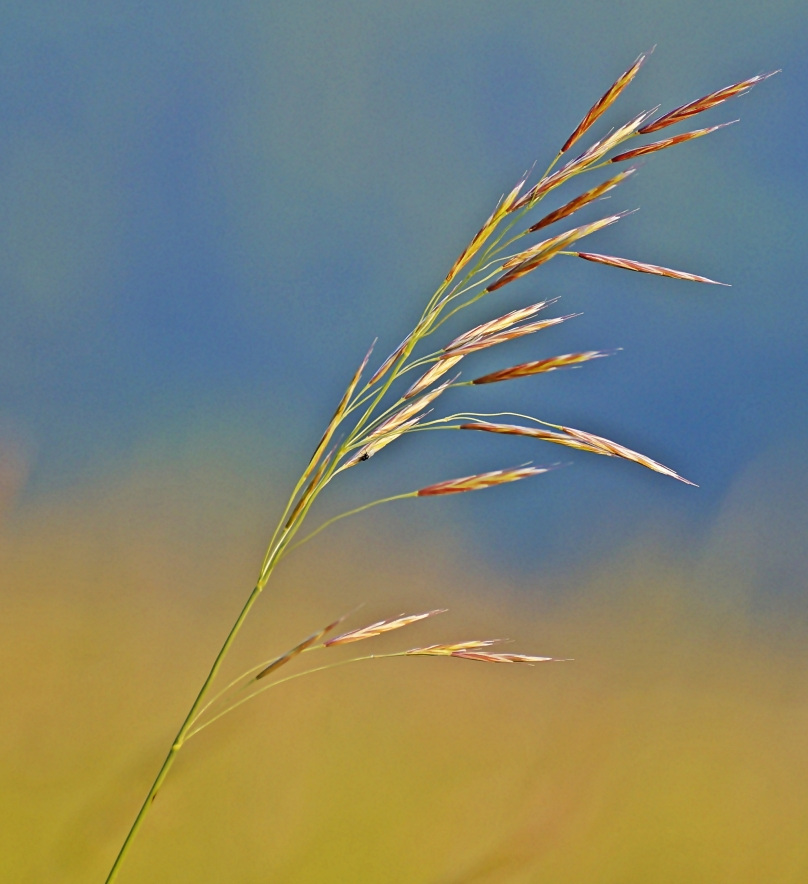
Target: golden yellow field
{"points": [[673, 748]]}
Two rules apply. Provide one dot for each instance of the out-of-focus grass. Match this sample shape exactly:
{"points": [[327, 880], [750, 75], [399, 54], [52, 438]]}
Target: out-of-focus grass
{"points": [[672, 749]]}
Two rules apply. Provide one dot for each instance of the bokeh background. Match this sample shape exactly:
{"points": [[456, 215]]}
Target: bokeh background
{"points": [[207, 212]]}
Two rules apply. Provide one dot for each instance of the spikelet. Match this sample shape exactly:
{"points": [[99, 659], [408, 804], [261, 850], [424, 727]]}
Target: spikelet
{"points": [[482, 480], [485, 231], [667, 142], [380, 627], [382, 440], [382, 369], [642, 267], [306, 495], [432, 374], [475, 650], [446, 650], [550, 246], [705, 103], [590, 156], [498, 324], [612, 449], [606, 101], [541, 365], [299, 648], [578, 439], [583, 200], [520, 331], [533, 432], [412, 408], [489, 657], [397, 424], [338, 414], [528, 260]]}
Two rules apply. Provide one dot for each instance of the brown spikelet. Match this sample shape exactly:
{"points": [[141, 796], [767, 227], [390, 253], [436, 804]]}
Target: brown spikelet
{"points": [[380, 627], [482, 480], [532, 432], [526, 369], [605, 102], [641, 267], [485, 231], [338, 414], [498, 324], [705, 103], [511, 334], [531, 258], [299, 648], [612, 449], [432, 374], [667, 142], [583, 200]]}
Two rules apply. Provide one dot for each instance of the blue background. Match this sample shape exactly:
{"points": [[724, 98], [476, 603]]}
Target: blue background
{"points": [[209, 210]]}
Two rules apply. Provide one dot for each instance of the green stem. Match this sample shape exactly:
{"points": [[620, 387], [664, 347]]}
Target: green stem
{"points": [[182, 733], [280, 681], [345, 515]]}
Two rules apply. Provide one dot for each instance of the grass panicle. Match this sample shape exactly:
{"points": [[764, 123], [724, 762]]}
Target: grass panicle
{"points": [[387, 407]]}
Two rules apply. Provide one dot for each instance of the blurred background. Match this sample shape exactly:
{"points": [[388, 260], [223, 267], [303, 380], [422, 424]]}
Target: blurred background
{"points": [[207, 213]]}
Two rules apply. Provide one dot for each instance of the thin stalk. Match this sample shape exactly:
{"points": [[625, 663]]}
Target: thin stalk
{"points": [[182, 733], [274, 684], [345, 515]]}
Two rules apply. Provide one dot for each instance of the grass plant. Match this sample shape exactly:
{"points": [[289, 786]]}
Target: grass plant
{"points": [[397, 398]]}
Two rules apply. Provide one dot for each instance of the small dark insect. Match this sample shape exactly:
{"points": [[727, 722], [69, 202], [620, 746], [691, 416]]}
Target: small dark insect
{"points": [[365, 456]]}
